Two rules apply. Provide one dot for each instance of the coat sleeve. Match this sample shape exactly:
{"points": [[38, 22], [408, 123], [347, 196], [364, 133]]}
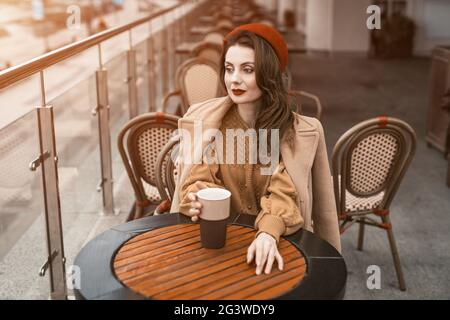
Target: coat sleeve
{"points": [[280, 214], [324, 215]]}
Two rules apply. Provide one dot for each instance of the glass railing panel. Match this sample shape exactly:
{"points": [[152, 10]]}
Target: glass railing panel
{"points": [[77, 143], [119, 115], [19, 99], [23, 248], [141, 33], [142, 82], [158, 75], [69, 73], [174, 58], [115, 46], [79, 173]]}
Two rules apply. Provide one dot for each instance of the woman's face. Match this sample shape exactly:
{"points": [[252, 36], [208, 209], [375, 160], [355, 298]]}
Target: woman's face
{"points": [[240, 76]]}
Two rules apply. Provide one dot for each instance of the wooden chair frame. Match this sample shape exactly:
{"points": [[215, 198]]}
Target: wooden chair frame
{"points": [[138, 169], [385, 186]]}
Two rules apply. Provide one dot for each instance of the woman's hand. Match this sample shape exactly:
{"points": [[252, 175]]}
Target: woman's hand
{"points": [[266, 251], [196, 206]]}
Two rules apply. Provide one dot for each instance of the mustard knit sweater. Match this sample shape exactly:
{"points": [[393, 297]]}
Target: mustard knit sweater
{"points": [[272, 197]]}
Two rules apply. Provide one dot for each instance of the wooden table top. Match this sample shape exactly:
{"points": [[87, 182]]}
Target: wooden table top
{"points": [[170, 263]]}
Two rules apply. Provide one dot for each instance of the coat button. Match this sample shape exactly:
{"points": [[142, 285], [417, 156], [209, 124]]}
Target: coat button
{"points": [[249, 207]]}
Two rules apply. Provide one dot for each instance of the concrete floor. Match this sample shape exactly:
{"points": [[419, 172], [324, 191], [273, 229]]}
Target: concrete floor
{"points": [[353, 89]]}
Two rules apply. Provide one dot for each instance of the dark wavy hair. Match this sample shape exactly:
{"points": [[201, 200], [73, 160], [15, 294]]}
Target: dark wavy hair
{"points": [[277, 107]]}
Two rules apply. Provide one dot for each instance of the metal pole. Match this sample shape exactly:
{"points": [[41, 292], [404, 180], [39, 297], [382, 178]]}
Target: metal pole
{"points": [[48, 161], [173, 46], [164, 59], [131, 80], [102, 112], [183, 22], [151, 72]]}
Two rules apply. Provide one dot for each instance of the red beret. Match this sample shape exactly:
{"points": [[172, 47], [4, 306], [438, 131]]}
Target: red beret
{"points": [[270, 35]]}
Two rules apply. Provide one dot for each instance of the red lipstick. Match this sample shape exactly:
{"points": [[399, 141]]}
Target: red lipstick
{"points": [[237, 92]]}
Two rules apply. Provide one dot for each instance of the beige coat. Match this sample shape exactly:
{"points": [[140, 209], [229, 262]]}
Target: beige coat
{"points": [[307, 165]]}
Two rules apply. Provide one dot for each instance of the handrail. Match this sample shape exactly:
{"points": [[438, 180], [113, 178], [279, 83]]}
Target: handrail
{"points": [[26, 69]]}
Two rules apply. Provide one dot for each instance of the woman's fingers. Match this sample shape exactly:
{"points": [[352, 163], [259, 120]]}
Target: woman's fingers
{"points": [[270, 260], [192, 196], [251, 252], [262, 251], [279, 260], [201, 185], [196, 205], [194, 212], [258, 253], [266, 249]]}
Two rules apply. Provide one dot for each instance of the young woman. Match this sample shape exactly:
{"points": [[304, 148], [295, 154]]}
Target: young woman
{"points": [[297, 192]]}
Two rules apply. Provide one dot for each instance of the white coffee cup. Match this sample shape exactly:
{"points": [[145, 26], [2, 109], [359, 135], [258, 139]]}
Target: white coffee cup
{"points": [[214, 216]]}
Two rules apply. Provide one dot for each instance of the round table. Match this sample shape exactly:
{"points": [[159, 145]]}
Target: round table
{"points": [[170, 263], [161, 257]]}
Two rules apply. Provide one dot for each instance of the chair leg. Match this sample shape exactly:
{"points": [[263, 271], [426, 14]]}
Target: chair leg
{"points": [[361, 234], [132, 213], [395, 256], [138, 213]]}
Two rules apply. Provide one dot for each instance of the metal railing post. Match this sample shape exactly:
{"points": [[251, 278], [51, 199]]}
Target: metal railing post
{"points": [[151, 72], [164, 58], [174, 44], [48, 161], [184, 23], [131, 80], [102, 112]]}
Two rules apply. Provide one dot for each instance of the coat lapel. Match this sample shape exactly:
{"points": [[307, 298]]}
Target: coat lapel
{"points": [[306, 146], [300, 162]]}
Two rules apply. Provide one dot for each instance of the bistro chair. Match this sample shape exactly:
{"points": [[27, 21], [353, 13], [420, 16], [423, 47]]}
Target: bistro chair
{"points": [[303, 105], [246, 18], [166, 174], [214, 37], [223, 29], [303, 98], [268, 23], [139, 143], [225, 23], [368, 164], [197, 80], [209, 51]]}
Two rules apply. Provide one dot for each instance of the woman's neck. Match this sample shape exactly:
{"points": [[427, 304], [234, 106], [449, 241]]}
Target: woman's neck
{"points": [[249, 112]]}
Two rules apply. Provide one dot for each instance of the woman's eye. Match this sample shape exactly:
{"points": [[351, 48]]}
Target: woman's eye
{"points": [[248, 70]]}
